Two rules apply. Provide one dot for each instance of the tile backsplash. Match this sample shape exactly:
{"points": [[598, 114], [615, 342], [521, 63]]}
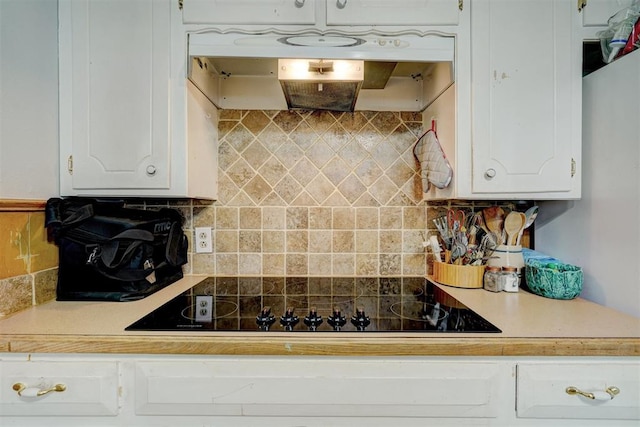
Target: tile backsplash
{"points": [[315, 193], [300, 194]]}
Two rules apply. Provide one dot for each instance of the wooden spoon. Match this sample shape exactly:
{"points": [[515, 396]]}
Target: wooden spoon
{"points": [[513, 223], [493, 219]]}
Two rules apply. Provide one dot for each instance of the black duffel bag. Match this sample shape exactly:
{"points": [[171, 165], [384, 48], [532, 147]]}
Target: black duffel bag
{"points": [[109, 252]]}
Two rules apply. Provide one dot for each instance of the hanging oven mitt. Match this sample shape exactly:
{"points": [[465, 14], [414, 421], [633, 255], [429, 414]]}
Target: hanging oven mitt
{"points": [[434, 166]]}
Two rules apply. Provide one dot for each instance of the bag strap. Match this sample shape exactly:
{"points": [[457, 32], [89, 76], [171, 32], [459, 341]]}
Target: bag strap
{"points": [[134, 238]]}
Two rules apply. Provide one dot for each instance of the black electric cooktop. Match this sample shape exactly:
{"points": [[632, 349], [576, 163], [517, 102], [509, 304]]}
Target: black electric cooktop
{"points": [[323, 304]]}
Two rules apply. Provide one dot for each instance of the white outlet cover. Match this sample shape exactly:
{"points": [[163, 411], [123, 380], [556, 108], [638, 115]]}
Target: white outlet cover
{"points": [[203, 241], [204, 308]]}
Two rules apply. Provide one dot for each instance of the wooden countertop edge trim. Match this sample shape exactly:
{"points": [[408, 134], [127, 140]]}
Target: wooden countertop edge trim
{"points": [[19, 205], [283, 346]]}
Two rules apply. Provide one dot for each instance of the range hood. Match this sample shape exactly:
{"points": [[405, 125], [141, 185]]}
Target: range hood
{"points": [[320, 72], [321, 84]]}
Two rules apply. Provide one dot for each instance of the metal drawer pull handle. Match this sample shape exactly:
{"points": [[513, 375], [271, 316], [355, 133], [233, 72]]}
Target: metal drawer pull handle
{"points": [[341, 4], [24, 391], [608, 394], [299, 3]]}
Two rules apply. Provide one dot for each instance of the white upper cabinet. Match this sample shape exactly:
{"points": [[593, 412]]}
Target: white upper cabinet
{"points": [[385, 12], [123, 101], [525, 103], [117, 91], [526, 86], [249, 12]]}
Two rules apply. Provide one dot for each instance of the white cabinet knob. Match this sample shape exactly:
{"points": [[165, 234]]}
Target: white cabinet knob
{"points": [[490, 173], [151, 170]]}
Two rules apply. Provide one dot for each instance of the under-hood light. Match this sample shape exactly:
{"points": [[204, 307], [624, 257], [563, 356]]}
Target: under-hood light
{"points": [[319, 69], [319, 84]]}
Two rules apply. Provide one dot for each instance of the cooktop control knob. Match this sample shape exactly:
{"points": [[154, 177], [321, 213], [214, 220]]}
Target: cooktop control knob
{"points": [[265, 319], [337, 320], [288, 320], [360, 320], [313, 320]]}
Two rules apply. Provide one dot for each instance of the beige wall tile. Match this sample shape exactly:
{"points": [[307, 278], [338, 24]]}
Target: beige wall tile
{"points": [[297, 241], [250, 241], [367, 241], [226, 241], [296, 264], [320, 241], [203, 264], [273, 264], [249, 264], [250, 218], [273, 241], [320, 265], [227, 264], [344, 264], [343, 241], [344, 218]]}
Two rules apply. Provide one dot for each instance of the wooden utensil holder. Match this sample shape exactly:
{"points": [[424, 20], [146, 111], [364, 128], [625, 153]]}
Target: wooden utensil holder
{"points": [[459, 276]]}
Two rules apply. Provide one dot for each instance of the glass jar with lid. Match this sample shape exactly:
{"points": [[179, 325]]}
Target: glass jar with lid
{"points": [[510, 279], [492, 279]]}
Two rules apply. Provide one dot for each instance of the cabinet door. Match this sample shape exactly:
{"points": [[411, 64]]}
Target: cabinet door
{"points": [[88, 388], [114, 94], [322, 387], [249, 12], [526, 98], [385, 12], [542, 390]]}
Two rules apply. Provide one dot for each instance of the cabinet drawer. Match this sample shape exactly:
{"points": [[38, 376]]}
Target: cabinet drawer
{"points": [[318, 387], [541, 390], [90, 388]]}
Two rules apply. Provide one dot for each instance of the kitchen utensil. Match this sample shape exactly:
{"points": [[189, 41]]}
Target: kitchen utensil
{"points": [[443, 229], [435, 247], [513, 224], [530, 216], [479, 218], [455, 219], [494, 219]]}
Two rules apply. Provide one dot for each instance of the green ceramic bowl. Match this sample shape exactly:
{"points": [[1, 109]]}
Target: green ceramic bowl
{"points": [[557, 281]]}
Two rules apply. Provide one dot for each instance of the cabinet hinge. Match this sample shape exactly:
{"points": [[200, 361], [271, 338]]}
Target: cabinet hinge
{"points": [[581, 5], [70, 165], [180, 4], [573, 167], [461, 4]]}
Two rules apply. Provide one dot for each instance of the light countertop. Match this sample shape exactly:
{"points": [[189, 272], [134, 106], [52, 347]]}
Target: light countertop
{"points": [[531, 326]]}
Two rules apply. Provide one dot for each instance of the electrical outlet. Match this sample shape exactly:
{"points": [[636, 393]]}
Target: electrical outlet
{"points": [[204, 308], [203, 240]]}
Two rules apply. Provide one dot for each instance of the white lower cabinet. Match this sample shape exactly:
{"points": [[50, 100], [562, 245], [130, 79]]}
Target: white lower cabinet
{"points": [[156, 390], [49, 388], [611, 391]]}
